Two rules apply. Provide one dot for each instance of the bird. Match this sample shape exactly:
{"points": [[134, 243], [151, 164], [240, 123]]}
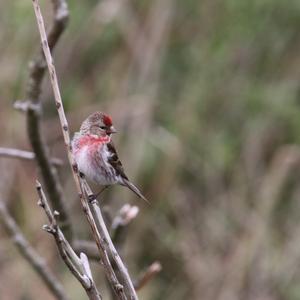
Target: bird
{"points": [[96, 155]]}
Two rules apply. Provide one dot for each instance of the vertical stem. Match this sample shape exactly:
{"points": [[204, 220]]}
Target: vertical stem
{"points": [[118, 288]]}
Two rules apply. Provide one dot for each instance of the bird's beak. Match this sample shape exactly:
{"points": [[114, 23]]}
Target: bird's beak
{"points": [[112, 130]]}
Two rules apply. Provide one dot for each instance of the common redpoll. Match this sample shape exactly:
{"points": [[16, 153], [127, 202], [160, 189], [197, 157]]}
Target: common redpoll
{"points": [[96, 155]]}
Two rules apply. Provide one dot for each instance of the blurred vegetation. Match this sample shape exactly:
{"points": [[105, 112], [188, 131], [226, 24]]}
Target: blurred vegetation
{"points": [[206, 98]]}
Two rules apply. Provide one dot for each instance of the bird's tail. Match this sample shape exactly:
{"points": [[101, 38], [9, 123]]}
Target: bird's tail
{"points": [[132, 187]]}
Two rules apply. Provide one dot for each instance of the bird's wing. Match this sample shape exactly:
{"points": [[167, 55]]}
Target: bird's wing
{"points": [[117, 165], [115, 161]]}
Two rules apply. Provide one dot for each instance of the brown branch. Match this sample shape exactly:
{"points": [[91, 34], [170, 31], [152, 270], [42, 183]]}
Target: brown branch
{"points": [[33, 107], [91, 251], [119, 225], [26, 155], [151, 271], [118, 229], [118, 234], [101, 240], [88, 247], [79, 266], [28, 252], [121, 269]]}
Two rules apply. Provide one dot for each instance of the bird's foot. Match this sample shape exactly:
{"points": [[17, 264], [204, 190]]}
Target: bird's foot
{"points": [[92, 198]]}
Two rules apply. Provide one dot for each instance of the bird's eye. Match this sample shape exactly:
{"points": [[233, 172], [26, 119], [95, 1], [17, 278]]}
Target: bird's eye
{"points": [[103, 127]]}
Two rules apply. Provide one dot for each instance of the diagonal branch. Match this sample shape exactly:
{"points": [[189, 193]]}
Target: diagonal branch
{"points": [[79, 266], [126, 214], [149, 273], [120, 223], [122, 270], [28, 252], [88, 247], [118, 230], [97, 230], [33, 107]]}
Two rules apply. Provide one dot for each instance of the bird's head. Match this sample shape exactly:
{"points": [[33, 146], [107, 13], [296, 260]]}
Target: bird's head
{"points": [[99, 124]]}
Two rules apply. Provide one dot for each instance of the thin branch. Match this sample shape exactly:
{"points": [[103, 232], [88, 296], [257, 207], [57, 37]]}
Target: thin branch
{"points": [[151, 271], [26, 155], [88, 247], [119, 230], [122, 270], [126, 214], [28, 252], [118, 233], [100, 239], [79, 266], [91, 251], [32, 107]]}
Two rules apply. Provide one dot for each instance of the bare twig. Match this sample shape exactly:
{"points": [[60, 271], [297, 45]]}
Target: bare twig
{"points": [[28, 252], [122, 270], [32, 107], [26, 155], [79, 266], [119, 229], [151, 271], [126, 214], [98, 231], [88, 247]]}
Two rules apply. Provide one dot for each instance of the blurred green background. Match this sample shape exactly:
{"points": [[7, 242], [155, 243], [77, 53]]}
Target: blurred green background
{"points": [[206, 99]]}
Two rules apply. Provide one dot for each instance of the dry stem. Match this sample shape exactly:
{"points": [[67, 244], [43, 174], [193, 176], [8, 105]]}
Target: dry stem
{"points": [[122, 270], [150, 272], [79, 266], [101, 242], [32, 107], [28, 252]]}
